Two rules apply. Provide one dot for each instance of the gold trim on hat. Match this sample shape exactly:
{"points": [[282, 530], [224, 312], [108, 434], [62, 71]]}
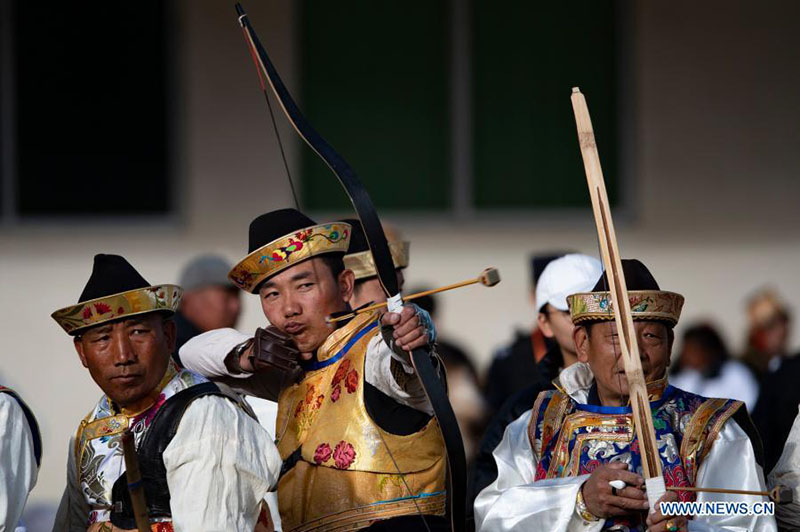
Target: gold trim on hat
{"points": [[288, 251], [76, 318], [363, 266], [645, 305]]}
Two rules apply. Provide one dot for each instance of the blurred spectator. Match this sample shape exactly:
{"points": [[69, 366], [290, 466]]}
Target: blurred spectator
{"points": [[463, 386], [210, 301], [767, 353], [768, 333], [513, 367], [705, 367], [561, 277]]}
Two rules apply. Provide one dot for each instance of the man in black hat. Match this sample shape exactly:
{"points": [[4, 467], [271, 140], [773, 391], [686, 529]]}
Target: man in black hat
{"points": [[556, 463], [196, 447], [359, 444], [20, 456]]}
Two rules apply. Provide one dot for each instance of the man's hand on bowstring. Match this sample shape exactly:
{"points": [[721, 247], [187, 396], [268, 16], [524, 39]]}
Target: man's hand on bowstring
{"points": [[656, 522], [598, 496], [410, 329], [269, 350]]}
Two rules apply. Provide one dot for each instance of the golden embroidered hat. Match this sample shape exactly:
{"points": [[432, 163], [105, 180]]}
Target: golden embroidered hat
{"points": [[647, 300], [283, 238], [359, 257], [115, 290]]}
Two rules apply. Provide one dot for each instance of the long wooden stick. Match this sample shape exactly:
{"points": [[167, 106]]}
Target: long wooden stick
{"points": [[489, 277], [135, 486], [637, 389]]}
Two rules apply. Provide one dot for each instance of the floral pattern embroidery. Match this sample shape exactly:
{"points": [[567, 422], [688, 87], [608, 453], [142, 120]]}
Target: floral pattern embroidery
{"points": [[322, 454], [343, 455], [336, 393], [351, 381], [340, 372]]}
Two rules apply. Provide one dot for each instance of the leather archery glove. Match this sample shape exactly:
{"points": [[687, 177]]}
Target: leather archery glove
{"points": [[275, 351]]}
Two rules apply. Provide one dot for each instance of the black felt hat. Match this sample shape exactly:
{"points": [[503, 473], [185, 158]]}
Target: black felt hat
{"points": [[283, 238], [115, 290], [637, 277]]}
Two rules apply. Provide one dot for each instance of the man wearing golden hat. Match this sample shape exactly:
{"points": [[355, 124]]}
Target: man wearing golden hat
{"points": [[359, 444], [556, 462], [367, 288], [205, 463]]}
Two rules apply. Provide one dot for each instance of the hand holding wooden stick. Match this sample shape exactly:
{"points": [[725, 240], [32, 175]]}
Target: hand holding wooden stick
{"points": [[489, 277]]}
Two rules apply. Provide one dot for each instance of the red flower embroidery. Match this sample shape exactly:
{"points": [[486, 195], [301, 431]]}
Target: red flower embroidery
{"points": [[351, 381], [310, 395], [340, 372], [120, 311], [102, 308], [87, 313], [319, 401], [322, 454], [298, 409], [336, 393], [344, 455]]}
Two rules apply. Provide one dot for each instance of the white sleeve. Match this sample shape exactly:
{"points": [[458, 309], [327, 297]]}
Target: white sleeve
{"points": [[220, 465], [731, 463], [787, 473], [205, 353], [73, 511], [18, 470], [378, 372], [515, 502]]}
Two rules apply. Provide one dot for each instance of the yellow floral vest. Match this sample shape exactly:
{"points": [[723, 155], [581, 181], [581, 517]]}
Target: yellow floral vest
{"points": [[345, 479]]}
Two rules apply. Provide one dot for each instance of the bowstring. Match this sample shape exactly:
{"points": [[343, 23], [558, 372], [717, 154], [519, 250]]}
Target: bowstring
{"points": [[262, 82]]}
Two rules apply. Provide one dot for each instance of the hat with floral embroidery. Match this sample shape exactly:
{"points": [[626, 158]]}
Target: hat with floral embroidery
{"points": [[115, 290], [283, 238], [648, 301]]}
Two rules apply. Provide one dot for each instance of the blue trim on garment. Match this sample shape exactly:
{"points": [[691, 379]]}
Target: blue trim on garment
{"points": [[668, 393], [420, 496], [313, 365]]}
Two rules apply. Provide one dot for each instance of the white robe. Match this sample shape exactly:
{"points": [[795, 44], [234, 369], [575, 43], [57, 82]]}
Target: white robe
{"points": [[514, 501], [787, 473], [220, 465], [18, 470], [205, 354]]}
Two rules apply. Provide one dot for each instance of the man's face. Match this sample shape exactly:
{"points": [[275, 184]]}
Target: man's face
{"points": [[600, 348], [212, 307], [299, 299], [557, 324], [128, 358], [371, 291]]}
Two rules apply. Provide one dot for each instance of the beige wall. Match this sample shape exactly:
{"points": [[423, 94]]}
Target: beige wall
{"points": [[716, 183]]}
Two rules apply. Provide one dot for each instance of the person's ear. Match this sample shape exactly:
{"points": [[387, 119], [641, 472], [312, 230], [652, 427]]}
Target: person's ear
{"points": [[582, 343], [544, 325], [170, 333], [346, 281], [78, 343]]}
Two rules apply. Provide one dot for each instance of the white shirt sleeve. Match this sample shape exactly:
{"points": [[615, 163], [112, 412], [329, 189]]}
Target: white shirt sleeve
{"points": [[787, 473], [515, 502], [731, 463], [73, 511], [378, 372], [220, 466], [205, 353], [18, 470]]}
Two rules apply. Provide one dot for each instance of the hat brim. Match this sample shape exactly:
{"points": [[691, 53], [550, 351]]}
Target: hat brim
{"points": [[287, 251], [158, 298], [363, 265], [646, 305]]}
